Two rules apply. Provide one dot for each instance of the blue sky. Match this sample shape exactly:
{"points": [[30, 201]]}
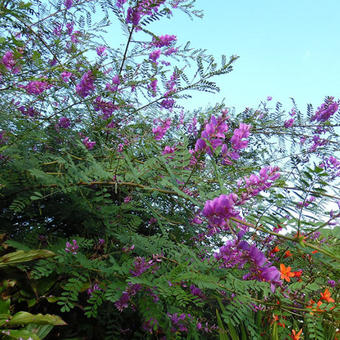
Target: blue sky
{"points": [[287, 48]]}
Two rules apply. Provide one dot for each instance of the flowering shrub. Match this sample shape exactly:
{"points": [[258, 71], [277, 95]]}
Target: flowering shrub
{"points": [[124, 215]]}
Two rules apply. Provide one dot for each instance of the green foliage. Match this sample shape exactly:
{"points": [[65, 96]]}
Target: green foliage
{"points": [[110, 241]]}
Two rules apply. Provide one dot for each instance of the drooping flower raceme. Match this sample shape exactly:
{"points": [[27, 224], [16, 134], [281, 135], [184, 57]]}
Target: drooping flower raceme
{"points": [[220, 209], [10, 63], [133, 16], [213, 134], [154, 55], [89, 144], [237, 253], [140, 266], [254, 183], [289, 123], [36, 87], [105, 107], [130, 291], [238, 140], [163, 40], [144, 7], [332, 165], [326, 110], [168, 149], [86, 84], [113, 87], [161, 130], [69, 27], [153, 87]]}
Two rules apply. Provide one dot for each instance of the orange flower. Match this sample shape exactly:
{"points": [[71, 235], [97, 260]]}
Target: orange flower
{"points": [[318, 307], [311, 303], [288, 254], [314, 251], [300, 236], [286, 273], [312, 306], [276, 249], [296, 336], [298, 273], [276, 319], [326, 295]]}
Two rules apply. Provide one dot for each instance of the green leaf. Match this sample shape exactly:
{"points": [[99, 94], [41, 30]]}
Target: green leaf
{"points": [[36, 196], [222, 332], [24, 256], [275, 334], [39, 319], [20, 334], [4, 306], [40, 330]]}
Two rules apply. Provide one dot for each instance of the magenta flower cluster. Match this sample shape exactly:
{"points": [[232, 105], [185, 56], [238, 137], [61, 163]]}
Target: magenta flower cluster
{"points": [[153, 86], [144, 7], [163, 40], [256, 183], [238, 140], [86, 84], [212, 136], [101, 51], [154, 55], [260, 269], [89, 144], [219, 210], [160, 130], [141, 265], [36, 87], [133, 16], [105, 107], [237, 253], [179, 322], [331, 164], [93, 289], [10, 63], [307, 202], [326, 110], [168, 150], [28, 111], [168, 103], [317, 142], [65, 76], [130, 291], [64, 122], [197, 292], [68, 4], [72, 247], [289, 123], [113, 87]]}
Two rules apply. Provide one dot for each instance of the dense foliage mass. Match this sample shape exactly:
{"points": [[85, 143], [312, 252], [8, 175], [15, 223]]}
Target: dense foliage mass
{"points": [[124, 215]]}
